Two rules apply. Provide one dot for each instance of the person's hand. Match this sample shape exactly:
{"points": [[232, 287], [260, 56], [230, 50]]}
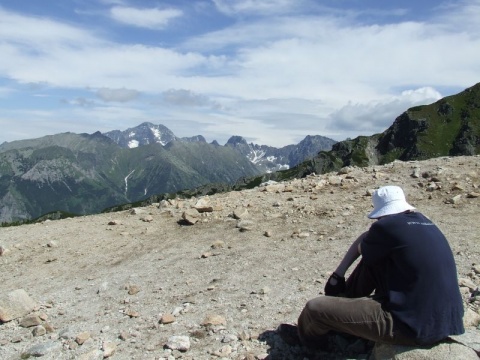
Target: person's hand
{"points": [[335, 285]]}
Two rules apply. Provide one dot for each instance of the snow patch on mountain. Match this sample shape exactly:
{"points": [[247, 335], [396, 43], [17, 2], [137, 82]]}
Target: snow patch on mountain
{"points": [[255, 155], [133, 144]]}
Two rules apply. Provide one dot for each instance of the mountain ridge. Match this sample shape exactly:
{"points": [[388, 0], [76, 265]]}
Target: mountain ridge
{"points": [[266, 158], [87, 173]]}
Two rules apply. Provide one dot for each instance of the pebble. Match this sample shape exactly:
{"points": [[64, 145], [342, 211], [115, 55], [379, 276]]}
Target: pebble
{"points": [[42, 349], [82, 337], [214, 320], [39, 330], [167, 319], [108, 348], [180, 343], [30, 320]]}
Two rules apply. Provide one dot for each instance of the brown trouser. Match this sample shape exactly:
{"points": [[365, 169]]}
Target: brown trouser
{"points": [[356, 314]]}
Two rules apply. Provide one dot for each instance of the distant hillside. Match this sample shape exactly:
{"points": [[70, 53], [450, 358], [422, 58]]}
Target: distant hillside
{"points": [[84, 174]]}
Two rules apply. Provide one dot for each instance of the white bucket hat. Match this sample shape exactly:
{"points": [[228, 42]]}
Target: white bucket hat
{"points": [[389, 200]]}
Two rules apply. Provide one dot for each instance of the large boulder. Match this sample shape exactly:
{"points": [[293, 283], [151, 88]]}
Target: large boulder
{"points": [[15, 304]]}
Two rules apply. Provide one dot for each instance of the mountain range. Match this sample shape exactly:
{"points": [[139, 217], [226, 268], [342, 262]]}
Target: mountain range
{"points": [[86, 173], [266, 158]]}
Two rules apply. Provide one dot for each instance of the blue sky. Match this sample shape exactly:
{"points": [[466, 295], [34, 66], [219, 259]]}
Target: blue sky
{"points": [[272, 71]]}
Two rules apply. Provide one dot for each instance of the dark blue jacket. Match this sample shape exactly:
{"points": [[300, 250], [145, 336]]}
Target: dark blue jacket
{"points": [[421, 275]]}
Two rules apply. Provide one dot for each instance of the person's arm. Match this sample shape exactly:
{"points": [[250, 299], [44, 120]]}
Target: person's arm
{"points": [[336, 282], [352, 254]]}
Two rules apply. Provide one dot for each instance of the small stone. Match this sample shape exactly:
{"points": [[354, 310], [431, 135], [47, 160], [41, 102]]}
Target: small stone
{"points": [[179, 309], [114, 222], [137, 211], [263, 356], [167, 319], [132, 313], [191, 216], [180, 343], [16, 339], [30, 320], [471, 318], [245, 225], [240, 213], [229, 338], [223, 352], [468, 283], [473, 195], [82, 337], [49, 328], [218, 244], [268, 233], [416, 173], [214, 320], [39, 330], [52, 244], [274, 188], [147, 218], [265, 290], [133, 289], [244, 335], [203, 205], [67, 334], [455, 200], [42, 349], [108, 348], [458, 187], [369, 192]]}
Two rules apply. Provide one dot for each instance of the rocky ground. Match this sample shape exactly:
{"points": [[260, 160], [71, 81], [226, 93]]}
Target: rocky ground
{"points": [[212, 278]]}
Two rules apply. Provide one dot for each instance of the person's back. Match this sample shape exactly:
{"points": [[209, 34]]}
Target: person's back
{"points": [[422, 286], [403, 291]]}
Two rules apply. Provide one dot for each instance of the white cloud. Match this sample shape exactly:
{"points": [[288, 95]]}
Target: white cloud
{"points": [[29, 35], [117, 95], [79, 101], [461, 15], [273, 80], [182, 97], [376, 116], [257, 7], [146, 18], [5, 91]]}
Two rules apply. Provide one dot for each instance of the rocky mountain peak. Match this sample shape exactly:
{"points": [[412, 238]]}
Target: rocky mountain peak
{"points": [[143, 134], [236, 141]]}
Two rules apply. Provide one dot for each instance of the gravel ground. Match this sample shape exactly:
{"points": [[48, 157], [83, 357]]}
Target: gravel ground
{"points": [[142, 284]]}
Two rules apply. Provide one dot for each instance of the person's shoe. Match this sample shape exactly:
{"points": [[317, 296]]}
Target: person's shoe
{"points": [[289, 334]]}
